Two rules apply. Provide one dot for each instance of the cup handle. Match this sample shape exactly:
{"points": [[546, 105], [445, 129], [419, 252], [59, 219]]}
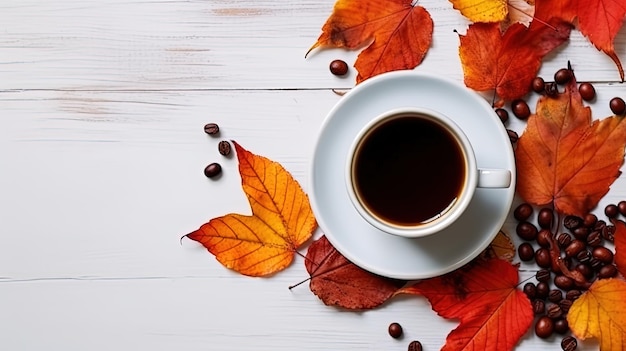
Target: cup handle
{"points": [[494, 178]]}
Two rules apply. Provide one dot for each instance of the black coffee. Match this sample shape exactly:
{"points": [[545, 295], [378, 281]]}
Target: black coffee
{"points": [[408, 170]]}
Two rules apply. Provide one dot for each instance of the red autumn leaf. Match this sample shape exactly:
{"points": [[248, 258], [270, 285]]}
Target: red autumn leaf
{"points": [[281, 220], [337, 281], [620, 246], [598, 20], [484, 296], [396, 33], [507, 62], [564, 158]]}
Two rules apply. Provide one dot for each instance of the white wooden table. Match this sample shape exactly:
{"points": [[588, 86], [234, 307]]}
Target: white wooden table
{"points": [[102, 108]]}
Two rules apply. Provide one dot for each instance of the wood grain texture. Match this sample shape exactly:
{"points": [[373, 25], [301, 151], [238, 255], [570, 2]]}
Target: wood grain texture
{"points": [[102, 104]]}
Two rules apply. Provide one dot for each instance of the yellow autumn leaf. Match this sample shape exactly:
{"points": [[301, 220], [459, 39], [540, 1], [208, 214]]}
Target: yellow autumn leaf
{"points": [[281, 221], [482, 10], [599, 313]]}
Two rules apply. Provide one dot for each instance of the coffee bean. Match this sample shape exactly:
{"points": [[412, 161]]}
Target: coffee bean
{"points": [[543, 238], [621, 206], [543, 289], [611, 211], [585, 270], [603, 254], [563, 240], [574, 248], [338, 67], [523, 211], [415, 346], [526, 231], [555, 295], [594, 239], [608, 232], [545, 218], [561, 326], [544, 327], [563, 76], [563, 282], [211, 128], [395, 330], [543, 258], [551, 89], [595, 264], [572, 295], [581, 233], [502, 114], [520, 109], [565, 305], [607, 271], [542, 275], [512, 136], [617, 106], [538, 85], [224, 147], [590, 220], [587, 91], [600, 225], [530, 290], [539, 307], [572, 222], [526, 252], [212, 170], [583, 256], [554, 311], [569, 343]]}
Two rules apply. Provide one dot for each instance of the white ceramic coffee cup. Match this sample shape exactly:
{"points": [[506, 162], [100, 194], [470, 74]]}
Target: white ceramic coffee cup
{"points": [[473, 176]]}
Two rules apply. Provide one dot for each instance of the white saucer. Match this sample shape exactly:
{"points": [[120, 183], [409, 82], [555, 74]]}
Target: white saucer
{"points": [[387, 254]]}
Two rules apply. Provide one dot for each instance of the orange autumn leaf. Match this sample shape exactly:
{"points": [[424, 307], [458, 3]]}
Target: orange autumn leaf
{"points": [[565, 159], [339, 282], [501, 247], [507, 62], [281, 220], [598, 20], [482, 10], [599, 313], [620, 246], [396, 33], [484, 296]]}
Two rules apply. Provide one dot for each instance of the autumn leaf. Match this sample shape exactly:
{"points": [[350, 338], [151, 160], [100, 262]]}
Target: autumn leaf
{"points": [[501, 247], [281, 220], [598, 20], [396, 34], [599, 313], [339, 282], [565, 159], [620, 246], [507, 62], [482, 10], [484, 296]]}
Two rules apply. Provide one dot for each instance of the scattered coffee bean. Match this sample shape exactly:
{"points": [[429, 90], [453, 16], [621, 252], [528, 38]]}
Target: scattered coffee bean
{"points": [[590, 220], [611, 211], [608, 232], [563, 240], [563, 282], [224, 147], [526, 252], [554, 311], [338, 67], [543, 238], [543, 275], [551, 89], [600, 225], [595, 264], [545, 218], [523, 211], [212, 170], [572, 295], [587, 91], [520, 109], [594, 239], [583, 256], [607, 271], [602, 254], [585, 270], [574, 248], [211, 128], [543, 258], [544, 327], [502, 114], [539, 307], [561, 326], [569, 343], [617, 106], [538, 85], [512, 136], [395, 330], [555, 295], [565, 305], [543, 289], [572, 222], [563, 76], [526, 231], [581, 233], [415, 346], [621, 207], [530, 290]]}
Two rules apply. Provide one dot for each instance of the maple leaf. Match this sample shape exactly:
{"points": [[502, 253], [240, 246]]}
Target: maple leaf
{"points": [[599, 313], [396, 33], [620, 246], [281, 220], [339, 282], [507, 62], [598, 20], [564, 159], [484, 296]]}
